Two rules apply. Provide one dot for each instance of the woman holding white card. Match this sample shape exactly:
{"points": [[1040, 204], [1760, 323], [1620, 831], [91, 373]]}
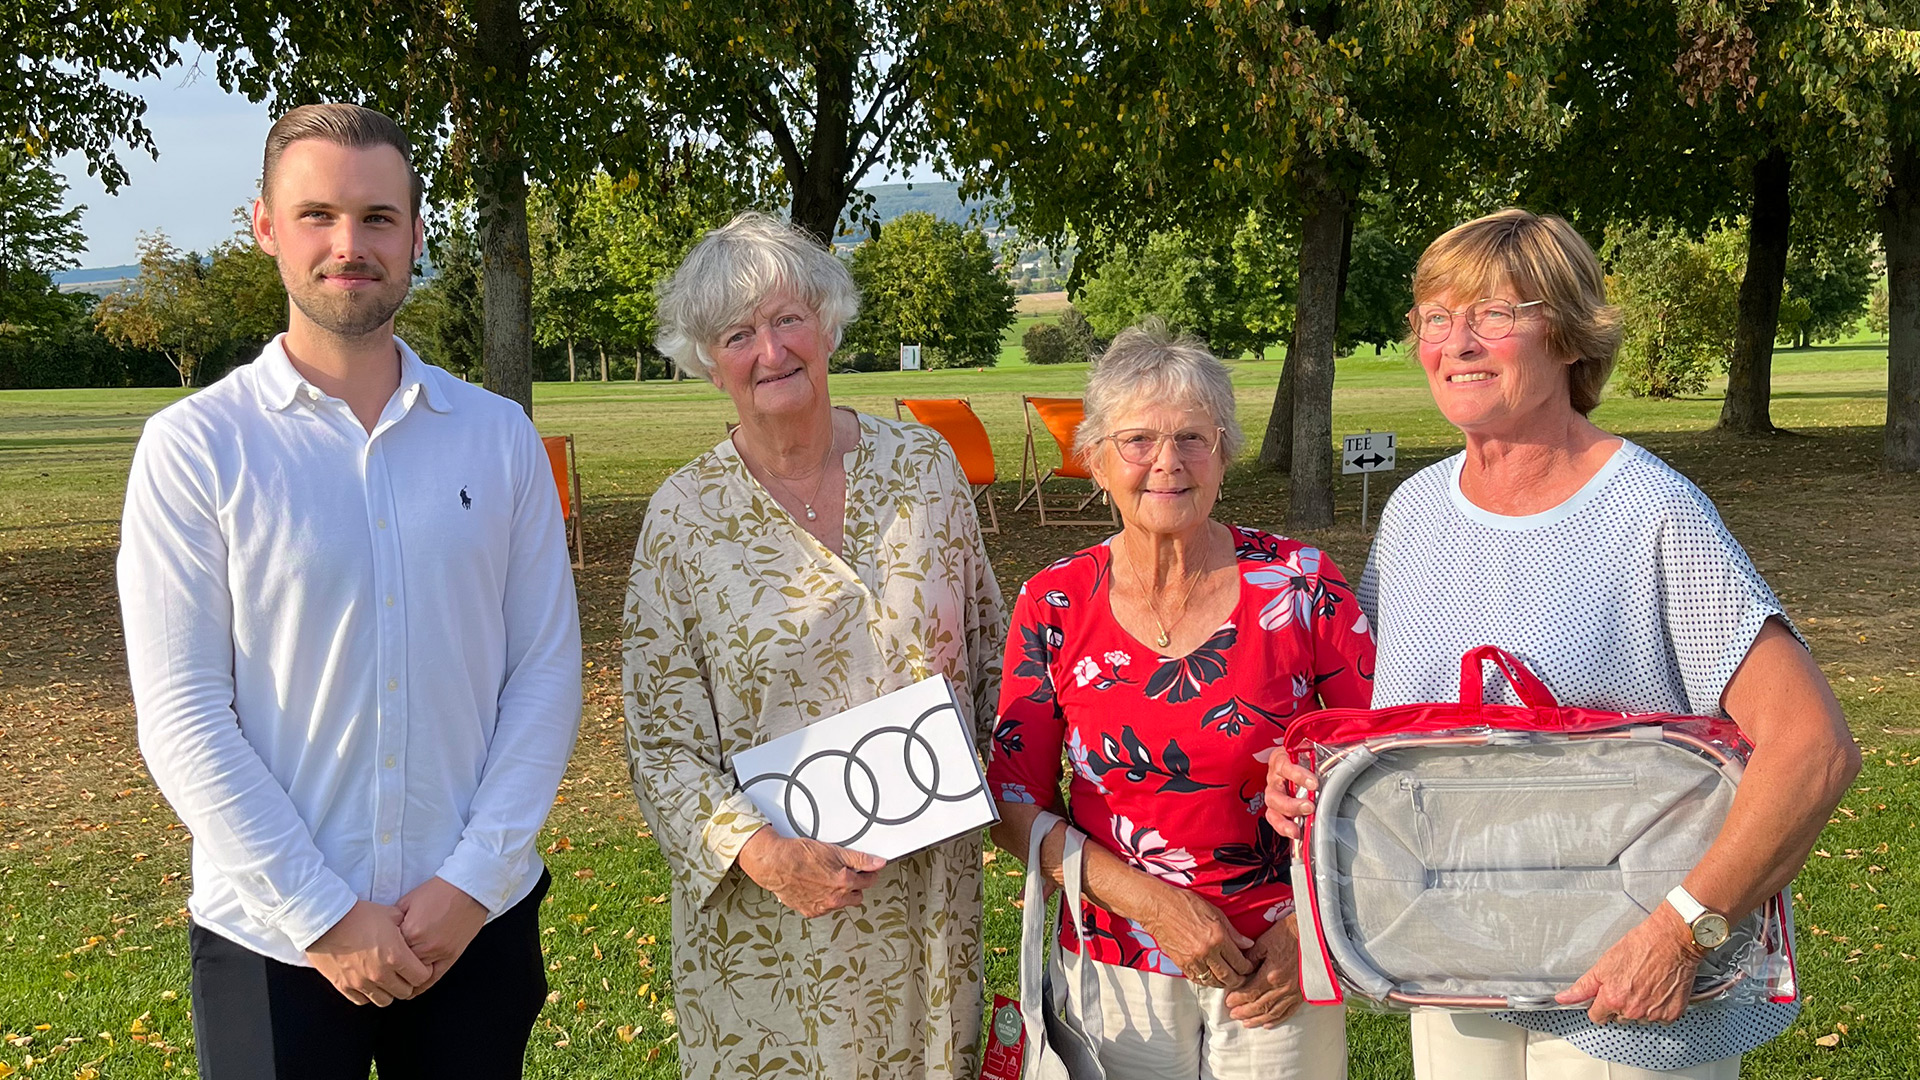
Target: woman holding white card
{"points": [[812, 561]]}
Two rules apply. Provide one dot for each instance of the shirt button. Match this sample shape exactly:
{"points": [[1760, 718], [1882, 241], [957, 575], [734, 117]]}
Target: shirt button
{"points": [[389, 601], [393, 684], [382, 523], [386, 838], [390, 761]]}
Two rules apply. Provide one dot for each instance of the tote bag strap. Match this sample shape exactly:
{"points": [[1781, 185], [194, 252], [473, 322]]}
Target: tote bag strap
{"points": [[1036, 934], [1039, 931], [1526, 684], [1072, 871]]}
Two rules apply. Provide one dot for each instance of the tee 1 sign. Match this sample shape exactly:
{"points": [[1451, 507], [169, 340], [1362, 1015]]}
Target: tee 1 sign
{"points": [[1372, 452], [1366, 454]]}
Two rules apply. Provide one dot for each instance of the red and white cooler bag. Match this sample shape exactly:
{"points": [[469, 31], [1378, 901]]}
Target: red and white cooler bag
{"points": [[1480, 856]]}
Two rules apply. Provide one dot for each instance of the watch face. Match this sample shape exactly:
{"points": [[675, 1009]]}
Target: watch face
{"points": [[1710, 930]]}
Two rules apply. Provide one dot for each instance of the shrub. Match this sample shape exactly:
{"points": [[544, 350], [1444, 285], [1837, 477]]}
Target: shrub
{"points": [[1086, 344], [1678, 306], [1046, 343]]}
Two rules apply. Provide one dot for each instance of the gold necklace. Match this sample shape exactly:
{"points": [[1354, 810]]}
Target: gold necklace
{"points": [[1165, 639]]}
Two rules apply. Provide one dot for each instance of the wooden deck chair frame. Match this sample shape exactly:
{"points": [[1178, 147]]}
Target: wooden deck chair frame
{"points": [[566, 482], [1068, 469], [968, 437]]}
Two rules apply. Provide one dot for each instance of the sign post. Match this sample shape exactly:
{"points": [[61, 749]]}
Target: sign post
{"points": [[909, 358], [1366, 454]]}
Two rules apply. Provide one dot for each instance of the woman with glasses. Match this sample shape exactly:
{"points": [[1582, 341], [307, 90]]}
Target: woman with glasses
{"points": [[1612, 576], [1168, 661], [812, 561]]}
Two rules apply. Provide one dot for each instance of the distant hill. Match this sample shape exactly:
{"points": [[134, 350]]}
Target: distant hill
{"points": [[96, 279], [941, 199]]}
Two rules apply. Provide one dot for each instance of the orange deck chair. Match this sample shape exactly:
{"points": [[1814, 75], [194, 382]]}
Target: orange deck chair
{"points": [[956, 421], [566, 481], [1061, 417]]}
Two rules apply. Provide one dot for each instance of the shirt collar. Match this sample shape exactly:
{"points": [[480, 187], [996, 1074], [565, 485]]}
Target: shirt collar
{"points": [[280, 385], [414, 373]]}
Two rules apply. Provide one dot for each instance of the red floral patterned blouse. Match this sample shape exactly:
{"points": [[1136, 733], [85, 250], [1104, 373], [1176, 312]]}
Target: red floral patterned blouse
{"points": [[1169, 754]]}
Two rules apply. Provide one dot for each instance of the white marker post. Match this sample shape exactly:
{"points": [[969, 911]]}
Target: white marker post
{"points": [[1366, 454], [909, 358]]}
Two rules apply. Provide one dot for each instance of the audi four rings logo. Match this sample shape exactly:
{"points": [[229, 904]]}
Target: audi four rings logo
{"points": [[851, 790]]}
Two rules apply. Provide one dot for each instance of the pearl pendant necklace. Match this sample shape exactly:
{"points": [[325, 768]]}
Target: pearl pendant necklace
{"points": [[826, 467]]}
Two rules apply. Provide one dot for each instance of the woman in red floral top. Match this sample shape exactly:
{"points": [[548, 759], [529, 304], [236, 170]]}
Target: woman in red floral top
{"points": [[1167, 662]]}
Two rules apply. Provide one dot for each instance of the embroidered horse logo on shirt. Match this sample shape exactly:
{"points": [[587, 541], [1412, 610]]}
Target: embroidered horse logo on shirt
{"points": [[466, 501]]}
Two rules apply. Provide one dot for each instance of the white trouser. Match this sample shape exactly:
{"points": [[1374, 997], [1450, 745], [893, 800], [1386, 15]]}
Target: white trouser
{"points": [[1158, 1027], [1477, 1046]]}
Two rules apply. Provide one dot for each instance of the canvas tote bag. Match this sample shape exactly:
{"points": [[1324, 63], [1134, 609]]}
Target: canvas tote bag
{"points": [[1057, 1046]]}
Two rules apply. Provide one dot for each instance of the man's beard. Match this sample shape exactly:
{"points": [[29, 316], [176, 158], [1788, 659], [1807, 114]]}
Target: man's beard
{"points": [[348, 313]]}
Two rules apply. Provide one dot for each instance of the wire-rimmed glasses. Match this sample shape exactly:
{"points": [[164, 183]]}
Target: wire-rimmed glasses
{"points": [[1491, 319], [1141, 446]]}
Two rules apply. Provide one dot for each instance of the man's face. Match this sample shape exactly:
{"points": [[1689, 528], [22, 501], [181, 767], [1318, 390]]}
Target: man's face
{"points": [[339, 222]]}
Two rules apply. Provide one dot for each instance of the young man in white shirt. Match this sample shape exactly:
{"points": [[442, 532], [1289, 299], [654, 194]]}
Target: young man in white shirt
{"points": [[355, 655]]}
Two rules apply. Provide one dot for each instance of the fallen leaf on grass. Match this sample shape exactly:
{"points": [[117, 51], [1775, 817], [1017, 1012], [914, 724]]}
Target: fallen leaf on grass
{"points": [[1828, 1041], [626, 1032]]}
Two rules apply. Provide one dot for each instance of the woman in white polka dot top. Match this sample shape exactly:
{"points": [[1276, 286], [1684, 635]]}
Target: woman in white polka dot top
{"points": [[1612, 576]]}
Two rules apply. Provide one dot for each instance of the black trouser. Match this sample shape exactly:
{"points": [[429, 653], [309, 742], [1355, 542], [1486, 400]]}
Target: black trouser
{"points": [[255, 1018]]}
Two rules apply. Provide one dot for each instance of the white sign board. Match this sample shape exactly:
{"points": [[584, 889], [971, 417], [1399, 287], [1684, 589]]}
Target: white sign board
{"points": [[1372, 452], [888, 778], [909, 358]]}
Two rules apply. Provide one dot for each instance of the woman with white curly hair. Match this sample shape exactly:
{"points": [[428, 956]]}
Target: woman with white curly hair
{"points": [[812, 561], [1168, 661]]}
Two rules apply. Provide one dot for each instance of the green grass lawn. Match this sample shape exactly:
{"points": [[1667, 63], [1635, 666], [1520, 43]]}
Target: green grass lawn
{"points": [[93, 977]]}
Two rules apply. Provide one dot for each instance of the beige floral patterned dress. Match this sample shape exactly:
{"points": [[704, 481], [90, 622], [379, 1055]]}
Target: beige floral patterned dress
{"points": [[742, 627]]}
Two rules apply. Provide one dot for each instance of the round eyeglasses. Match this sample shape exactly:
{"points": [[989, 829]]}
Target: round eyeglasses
{"points": [[1489, 319], [1141, 446]]}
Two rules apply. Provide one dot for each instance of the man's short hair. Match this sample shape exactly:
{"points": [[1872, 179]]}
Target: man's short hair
{"points": [[343, 125]]}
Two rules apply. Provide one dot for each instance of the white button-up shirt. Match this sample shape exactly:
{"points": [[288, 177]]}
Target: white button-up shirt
{"points": [[355, 657]]}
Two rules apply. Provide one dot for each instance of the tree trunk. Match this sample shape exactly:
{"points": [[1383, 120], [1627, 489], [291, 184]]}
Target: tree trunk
{"points": [[603, 363], [1316, 319], [573, 373], [500, 189], [639, 365], [1900, 238], [1750, 370], [1276, 448]]}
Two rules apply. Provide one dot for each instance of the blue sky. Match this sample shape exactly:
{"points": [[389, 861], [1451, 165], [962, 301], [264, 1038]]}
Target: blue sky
{"points": [[209, 143]]}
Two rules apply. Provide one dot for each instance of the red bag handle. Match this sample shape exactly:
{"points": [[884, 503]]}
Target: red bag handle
{"points": [[1532, 691]]}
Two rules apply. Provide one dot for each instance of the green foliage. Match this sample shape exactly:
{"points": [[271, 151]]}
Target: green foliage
{"points": [[1085, 343], [1192, 286], [441, 318], [1677, 300], [1379, 291], [54, 98], [930, 282], [68, 351], [1047, 343], [1828, 283], [37, 238], [810, 94], [193, 309]]}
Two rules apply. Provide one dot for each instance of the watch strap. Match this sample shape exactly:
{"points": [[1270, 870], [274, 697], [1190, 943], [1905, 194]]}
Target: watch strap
{"points": [[1683, 902]]}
